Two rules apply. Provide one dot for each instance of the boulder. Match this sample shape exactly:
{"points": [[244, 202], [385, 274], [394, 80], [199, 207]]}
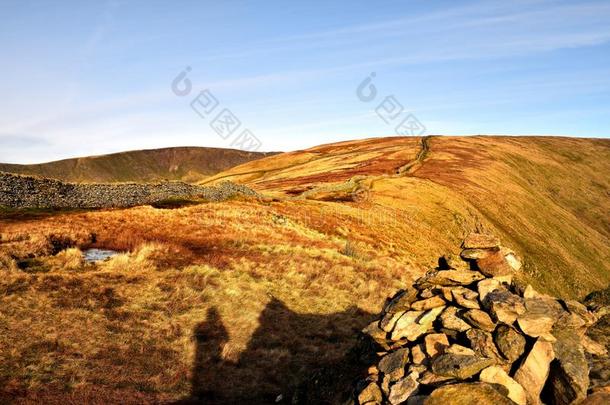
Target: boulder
{"points": [[459, 366], [504, 306], [370, 395], [534, 370], [407, 327], [510, 342], [393, 364], [483, 344], [486, 286], [403, 389], [450, 320], [479, 319], [495, 375], [465, 297], [495, 264], [569, 374], [467, 394], [475, 254], [418, 356], [540, 316], [389, 320], [436, 343], [449, 278], [481, 241], [459, 349], [401, 301], [428, 303]]}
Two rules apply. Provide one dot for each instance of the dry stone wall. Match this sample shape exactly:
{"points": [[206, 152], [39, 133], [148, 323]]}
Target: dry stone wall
{"points": [[469, 332], [17, 191]]}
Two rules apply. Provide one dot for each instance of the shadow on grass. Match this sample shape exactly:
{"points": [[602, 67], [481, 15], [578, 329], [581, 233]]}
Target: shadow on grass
{"points": [[291, 358]]}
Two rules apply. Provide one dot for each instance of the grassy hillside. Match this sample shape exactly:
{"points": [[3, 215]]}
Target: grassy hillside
{"points": [[185, 163], [239, 300]]}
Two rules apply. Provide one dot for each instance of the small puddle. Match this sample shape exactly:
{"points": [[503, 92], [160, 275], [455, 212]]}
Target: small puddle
{"points": [[97, 255]]}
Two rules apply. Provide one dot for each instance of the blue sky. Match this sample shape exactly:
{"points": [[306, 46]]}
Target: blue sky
{"points": [[93, 77]]}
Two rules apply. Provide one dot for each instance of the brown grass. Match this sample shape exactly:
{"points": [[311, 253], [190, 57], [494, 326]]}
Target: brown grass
{"points": [[242, 299]]}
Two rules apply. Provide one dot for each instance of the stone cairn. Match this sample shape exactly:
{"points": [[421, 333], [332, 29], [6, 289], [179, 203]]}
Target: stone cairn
{"points": [[469, 332]]}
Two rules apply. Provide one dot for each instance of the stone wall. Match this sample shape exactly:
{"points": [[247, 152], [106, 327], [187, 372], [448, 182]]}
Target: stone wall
{"points": [[17, 191]]}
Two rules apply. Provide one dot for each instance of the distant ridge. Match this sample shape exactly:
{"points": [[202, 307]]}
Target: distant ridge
{"points": [[190, 164]]}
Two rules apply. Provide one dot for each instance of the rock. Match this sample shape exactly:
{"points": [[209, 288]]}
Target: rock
{"points": [[534, 370], [429, 317], [486, 286], [429, 378], [428, 303], [416, 399], [370, 395], [597, 398], [510, 343], [513, 261], [578, 309], [418, 356], [475, 254], [481, 241], [459, 366], [419, 368], [378, 335], [393, 364], [403, 389], [389, 320], [569, 374], [467, 394], [479, 319], [449, 278], [450, 320], [494, 264], [427, 293], [459, 349], [450, 261], [483, 344], [504, 306], [436, 343], [592, 347], [465, 297], [495, 375], [540, 316], [401, 301], [407, 327]]}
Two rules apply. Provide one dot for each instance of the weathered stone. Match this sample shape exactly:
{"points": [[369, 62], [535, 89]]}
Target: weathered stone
{"points": [[418, 356], [401, 301], [495, 264], [475, 254], [467, 394], [483, 344], [436, 343], [419, 368], [377, 334], [389, 320], [370, 395], [428, 303], [534, 370], [459, 366], [592, 347], [596, 398], [459, 349], [403, 389], [512, 260], [449, 278], [486, 286], [426, 293], [495, 375], [481, 241], [430, 378], [416, 399], [540, 316], [510, 342], [465, 297], [504, 306], [407, 327], [479, 319], [569, 374], [430, 316], [393, 364], [450, 261], [450, 320]]}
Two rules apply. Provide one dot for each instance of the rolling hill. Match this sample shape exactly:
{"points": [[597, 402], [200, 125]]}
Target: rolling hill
{"points": [[240, 300], [182, 163]]}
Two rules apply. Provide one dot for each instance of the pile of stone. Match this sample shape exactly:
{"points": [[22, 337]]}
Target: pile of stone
{"points": [[470, 332]]}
